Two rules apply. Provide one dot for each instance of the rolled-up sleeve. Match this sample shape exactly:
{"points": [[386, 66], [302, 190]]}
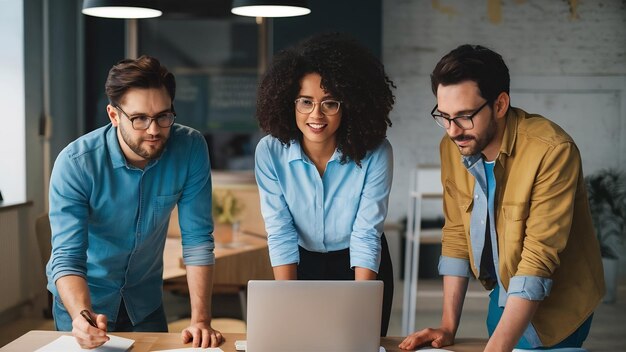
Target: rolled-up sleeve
{"points": [[532, 288], [194, 208], [551, 210], [68, 220], [365, 245], [449, 266], [282, 237], [199, 255]]}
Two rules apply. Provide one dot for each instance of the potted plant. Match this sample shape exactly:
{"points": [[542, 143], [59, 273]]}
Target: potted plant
{"points": [[607, 201], [226, 209]]}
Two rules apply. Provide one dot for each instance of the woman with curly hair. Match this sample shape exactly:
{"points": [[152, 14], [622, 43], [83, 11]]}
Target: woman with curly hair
{"points": [[324, 171]]}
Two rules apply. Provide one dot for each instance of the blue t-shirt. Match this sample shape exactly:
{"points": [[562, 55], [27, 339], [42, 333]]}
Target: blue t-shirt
{"points": [[344, 208], [109, 219], [487, 261]]}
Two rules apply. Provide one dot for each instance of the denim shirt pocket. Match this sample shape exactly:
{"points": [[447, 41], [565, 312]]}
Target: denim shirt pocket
{"points": [[515, 216], [163, 206]]}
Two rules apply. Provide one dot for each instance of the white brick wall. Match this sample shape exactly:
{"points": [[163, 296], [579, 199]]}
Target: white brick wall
{"points": [[537, 38]]}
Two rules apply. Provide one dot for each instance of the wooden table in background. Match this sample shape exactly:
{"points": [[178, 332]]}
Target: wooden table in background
{"points": [[235, 264], [152, 341]]}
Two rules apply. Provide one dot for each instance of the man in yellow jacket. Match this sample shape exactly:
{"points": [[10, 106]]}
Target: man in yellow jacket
{"points": [[516, 213]]}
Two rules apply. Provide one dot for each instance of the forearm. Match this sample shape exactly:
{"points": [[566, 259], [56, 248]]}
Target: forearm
{"points": [[516, 316], [364, 274], [74, 293], [286, 272], [200, 281], [454, 289]]}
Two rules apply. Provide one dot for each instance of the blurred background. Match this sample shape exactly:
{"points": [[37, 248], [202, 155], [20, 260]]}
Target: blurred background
{"points": [[567, 61]]}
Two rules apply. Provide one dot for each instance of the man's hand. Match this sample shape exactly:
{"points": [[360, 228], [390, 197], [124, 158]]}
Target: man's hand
{"points": [[202, 335], [88, 336], [436, 337], [454, 288]]}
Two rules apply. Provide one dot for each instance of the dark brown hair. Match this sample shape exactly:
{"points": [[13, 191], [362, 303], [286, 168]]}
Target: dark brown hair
{"points": [[349, 72], [473, 63], [144, 72]]}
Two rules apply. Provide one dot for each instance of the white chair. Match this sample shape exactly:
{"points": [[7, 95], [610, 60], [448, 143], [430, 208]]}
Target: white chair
{"points": [[425, 183]]}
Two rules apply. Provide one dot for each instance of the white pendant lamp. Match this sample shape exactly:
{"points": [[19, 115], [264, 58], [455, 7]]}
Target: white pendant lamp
{"points": [[270, 8], [121, 8]]}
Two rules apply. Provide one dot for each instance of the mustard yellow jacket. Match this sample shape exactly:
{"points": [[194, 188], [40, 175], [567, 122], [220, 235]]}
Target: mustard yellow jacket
{"points": [[542, 216]]}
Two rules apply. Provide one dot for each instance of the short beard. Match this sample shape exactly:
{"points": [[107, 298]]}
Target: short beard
{"points": [[482, 143], [137, 149]]}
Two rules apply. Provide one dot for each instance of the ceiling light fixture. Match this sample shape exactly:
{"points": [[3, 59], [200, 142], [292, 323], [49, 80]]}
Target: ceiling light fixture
{"points": [[270, 8], [121, 8]]}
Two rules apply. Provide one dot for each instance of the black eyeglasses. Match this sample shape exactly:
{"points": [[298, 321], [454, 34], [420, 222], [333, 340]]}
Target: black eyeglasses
{"points": [[465, 122], [143, 122], [328, 107]]}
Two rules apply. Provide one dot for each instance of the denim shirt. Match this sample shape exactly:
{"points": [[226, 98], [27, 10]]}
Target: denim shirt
{"points": [[109, 219], [482, 208], [344, 208]]}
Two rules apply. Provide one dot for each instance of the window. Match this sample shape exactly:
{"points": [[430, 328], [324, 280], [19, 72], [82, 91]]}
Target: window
{"points": [[12, 100], [215, 61]]}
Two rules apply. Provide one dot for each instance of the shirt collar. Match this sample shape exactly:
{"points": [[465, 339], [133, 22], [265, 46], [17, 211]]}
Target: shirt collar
{"points": [[471, 160], [295, 152], [115, 151], [510, 132], [113, 145], [508, 140]]}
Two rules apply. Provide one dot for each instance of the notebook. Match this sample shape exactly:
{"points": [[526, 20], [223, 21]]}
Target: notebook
{"points": [[314, 316]]}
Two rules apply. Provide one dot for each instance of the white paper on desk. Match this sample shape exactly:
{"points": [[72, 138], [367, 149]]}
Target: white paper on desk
{"points": [[193, 349], [68, 343]]}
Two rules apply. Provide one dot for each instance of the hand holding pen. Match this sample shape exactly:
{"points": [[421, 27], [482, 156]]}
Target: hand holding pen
{"points": [[89, 329]]}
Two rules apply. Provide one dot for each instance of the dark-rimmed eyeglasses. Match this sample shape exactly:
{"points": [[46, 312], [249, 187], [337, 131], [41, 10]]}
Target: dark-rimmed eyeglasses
{"points": [[328, 107], [465, 122], [143, 122]]}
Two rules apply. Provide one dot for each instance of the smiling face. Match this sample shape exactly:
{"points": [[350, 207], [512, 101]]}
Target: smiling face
{"points": [[464, 99], [141, 146], [318, 130]]}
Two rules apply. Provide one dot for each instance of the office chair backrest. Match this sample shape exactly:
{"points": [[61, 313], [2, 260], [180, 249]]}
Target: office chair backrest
{"points": [[44, 236]]}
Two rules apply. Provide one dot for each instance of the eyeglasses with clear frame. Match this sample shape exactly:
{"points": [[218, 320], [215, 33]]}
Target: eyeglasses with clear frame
{"points": [[143, 122], [328, 107], [464, 122]]}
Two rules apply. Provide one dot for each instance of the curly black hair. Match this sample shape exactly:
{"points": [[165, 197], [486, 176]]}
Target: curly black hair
{"points": [[349, 72]]}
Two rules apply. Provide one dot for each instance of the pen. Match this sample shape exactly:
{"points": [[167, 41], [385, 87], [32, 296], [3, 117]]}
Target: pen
{"points": [[87, 316]]}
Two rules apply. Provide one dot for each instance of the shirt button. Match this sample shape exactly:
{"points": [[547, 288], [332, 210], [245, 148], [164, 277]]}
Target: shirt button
{"points": [[476, 196], [482, 222]]}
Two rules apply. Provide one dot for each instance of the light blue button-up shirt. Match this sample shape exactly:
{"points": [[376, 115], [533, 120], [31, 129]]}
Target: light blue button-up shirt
{"points": [[344, 208], [109, 219]]}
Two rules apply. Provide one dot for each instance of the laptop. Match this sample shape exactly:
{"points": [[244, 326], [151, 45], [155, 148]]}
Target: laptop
{"points": [[316, 316]]}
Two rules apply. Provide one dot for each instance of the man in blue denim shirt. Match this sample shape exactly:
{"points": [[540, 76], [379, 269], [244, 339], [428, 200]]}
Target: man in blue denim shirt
{"points": [[111, 195]]}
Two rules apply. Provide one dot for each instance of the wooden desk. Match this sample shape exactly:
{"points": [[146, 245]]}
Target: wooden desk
{"points": [[234, 266], [148, 341]]}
